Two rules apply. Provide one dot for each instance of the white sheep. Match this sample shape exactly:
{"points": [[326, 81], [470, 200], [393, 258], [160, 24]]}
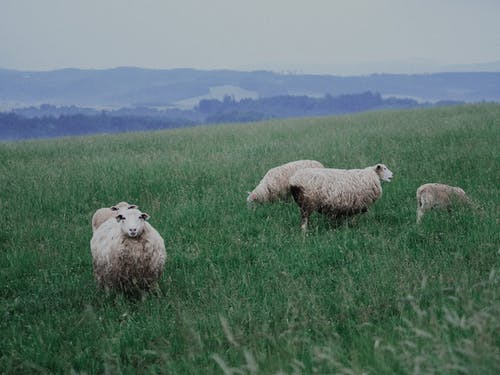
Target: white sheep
{"points": [[441, 196], [275, 183], [128, 254], [337, 192], [105, 213]]}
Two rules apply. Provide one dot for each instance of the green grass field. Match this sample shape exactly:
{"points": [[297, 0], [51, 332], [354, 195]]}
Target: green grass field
{"points": [[244, 292]]}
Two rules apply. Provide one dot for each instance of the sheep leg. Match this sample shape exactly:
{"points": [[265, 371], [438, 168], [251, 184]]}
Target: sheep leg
{"points": [[304, 219], [298, 196], [420, 209], [420, 213]]}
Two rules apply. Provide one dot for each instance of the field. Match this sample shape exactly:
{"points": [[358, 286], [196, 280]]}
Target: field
{"points": [[244, 291]]}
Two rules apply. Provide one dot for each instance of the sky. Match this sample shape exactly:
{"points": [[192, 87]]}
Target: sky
{"points": [[303, 36]]}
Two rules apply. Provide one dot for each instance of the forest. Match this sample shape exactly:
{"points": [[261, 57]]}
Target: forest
{"points": [[52, 121]]}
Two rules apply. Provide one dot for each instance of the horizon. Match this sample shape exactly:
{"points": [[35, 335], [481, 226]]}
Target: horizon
{"points": [[404, 69]]}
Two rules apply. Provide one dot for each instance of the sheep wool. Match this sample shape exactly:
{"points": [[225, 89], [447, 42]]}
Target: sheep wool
{"points": [[435, 195], [337, 192], [275, 183], [105, 213], [128, 254]]}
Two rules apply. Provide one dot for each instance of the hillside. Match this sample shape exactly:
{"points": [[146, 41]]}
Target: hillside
{"points": [[244, 292], [49, 121], [130, 87]]}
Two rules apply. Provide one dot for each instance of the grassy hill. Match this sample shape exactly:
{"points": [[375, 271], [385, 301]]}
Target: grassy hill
{"points": [[244, 292]]}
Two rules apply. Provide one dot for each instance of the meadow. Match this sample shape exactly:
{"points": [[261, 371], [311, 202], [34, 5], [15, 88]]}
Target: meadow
{"points": [[244, 291]]}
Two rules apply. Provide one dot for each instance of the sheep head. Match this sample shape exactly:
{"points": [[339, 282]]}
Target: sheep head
{"points": [[132, 222], [251, 197], [383, 172]]}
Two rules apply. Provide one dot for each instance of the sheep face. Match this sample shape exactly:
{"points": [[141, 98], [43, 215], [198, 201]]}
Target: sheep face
{"points": [[252, 197], [383, 172], [132, 222]]}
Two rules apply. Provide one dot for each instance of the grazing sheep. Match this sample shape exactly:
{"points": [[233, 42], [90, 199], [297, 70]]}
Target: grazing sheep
{"points": [[337, 192], [275, 183], [128, 254], [434, 195], [105, 213]]}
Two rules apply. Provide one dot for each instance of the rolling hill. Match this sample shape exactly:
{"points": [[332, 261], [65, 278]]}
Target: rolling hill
{"points": [[129, 87]]}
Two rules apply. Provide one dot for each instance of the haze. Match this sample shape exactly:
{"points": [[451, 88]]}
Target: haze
{"points": [[317, 36]]}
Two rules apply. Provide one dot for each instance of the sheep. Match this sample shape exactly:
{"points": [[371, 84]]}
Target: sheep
{"points": [[436, 195], [337, 192], [128, 254], [105, 213], [275, 183]]}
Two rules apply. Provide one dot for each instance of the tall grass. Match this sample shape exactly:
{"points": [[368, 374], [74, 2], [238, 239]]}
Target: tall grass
{"points": [[244, 292]]}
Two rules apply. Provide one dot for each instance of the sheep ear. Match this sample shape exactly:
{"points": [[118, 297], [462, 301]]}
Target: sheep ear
{"points": [[119, 218], [114, 208], [379, 167], [132, 206], [145, 216]]}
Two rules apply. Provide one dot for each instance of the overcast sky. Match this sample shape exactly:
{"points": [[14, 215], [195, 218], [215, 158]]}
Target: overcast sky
{"points": [[332, 36]]}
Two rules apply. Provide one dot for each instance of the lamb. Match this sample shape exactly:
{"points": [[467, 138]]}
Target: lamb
{"points": [[337, 192], [435, 195], [128, 254], [105, 213], [275, 183]]}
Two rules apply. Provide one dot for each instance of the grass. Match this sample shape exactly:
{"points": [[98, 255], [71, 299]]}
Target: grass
{"points": [[244, 292]]}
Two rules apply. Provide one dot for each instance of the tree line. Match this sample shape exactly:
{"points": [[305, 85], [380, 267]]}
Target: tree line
{"points": [[14, 126], [52, 121]]}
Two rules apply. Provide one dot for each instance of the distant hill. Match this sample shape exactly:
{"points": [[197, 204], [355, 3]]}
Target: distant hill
{"points": [[131, 87], [52, 121]]}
